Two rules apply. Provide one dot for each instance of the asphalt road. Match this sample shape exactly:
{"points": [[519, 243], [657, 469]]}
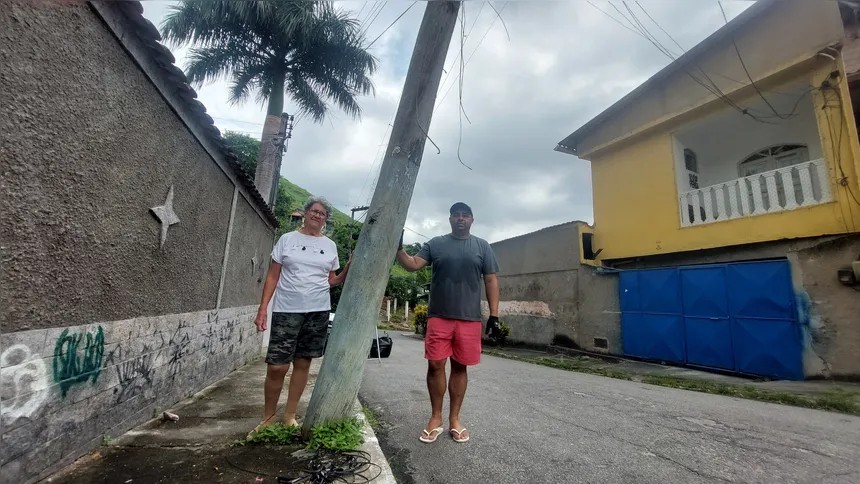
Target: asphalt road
{"points": [[533, 424]]}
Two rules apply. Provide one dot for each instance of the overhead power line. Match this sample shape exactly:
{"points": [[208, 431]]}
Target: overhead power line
{"points": [[416, 233], [392, 24], [236, 120], [710, 86], [743, 64], [378, 11]]}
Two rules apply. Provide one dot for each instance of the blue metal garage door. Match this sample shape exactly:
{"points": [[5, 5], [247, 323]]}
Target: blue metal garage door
{"points": [[739, 317]]}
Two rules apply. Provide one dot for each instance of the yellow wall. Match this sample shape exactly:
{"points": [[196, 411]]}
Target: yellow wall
{"points": [[636, 209]]}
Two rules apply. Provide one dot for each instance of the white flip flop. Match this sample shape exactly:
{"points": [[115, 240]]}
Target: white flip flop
{"points": [[428, 437], [459, 439]]}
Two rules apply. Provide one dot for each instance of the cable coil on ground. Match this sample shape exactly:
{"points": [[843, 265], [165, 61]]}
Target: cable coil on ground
{"points": [[328, 467]]}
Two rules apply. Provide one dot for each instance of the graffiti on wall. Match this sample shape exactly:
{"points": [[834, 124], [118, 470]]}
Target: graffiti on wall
{"points": [[179, 348], [24, 378], [74, 364], [134, 374], [220, 340]]}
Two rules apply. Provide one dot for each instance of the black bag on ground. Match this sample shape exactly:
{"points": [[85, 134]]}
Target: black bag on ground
{"points": [[385, 344]]}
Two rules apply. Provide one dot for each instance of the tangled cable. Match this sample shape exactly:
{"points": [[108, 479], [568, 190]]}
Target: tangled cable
{"points": [[329, 467]]}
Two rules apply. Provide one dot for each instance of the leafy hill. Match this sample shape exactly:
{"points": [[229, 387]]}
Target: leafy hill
{"points": [[298, 195], [290, 196]]}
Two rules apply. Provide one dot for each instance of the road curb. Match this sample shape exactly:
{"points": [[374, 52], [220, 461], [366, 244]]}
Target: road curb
{"points": [[371, 446]]}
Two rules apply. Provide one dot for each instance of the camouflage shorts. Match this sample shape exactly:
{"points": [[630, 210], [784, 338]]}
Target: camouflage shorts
{"points": [[297, 335]]}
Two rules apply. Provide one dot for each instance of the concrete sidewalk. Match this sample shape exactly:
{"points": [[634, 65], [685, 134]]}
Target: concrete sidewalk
{"points": [[198, 447]]}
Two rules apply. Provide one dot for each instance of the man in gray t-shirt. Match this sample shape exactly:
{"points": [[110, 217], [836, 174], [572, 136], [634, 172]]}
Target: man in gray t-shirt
{"points": [[461, 263]]}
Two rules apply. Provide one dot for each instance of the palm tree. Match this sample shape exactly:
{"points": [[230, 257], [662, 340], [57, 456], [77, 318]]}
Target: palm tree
{"points": [[310, 51]]}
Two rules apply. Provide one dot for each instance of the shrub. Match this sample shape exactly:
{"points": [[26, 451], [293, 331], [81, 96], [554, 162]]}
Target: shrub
{"points": [[420, 314], [505, 332]]}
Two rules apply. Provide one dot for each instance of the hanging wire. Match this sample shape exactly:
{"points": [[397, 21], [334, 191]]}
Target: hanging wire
{"points": [[470, 57], [712, 87], [461, 110], [457, 57], [744, 65]]}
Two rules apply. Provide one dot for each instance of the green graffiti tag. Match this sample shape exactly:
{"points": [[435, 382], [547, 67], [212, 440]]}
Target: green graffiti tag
{"points": [[73, 365]]}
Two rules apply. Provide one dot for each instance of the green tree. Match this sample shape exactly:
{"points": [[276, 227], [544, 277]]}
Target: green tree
{"points": [[344, 236], [311, 52], [247, 149], [404, 286], [412, 248]]}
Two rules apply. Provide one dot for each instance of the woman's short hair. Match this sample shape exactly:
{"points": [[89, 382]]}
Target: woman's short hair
{"points": [[329, 210]]}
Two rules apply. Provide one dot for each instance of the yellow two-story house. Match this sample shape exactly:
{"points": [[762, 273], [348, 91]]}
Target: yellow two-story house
{"points": [[727, 197]]}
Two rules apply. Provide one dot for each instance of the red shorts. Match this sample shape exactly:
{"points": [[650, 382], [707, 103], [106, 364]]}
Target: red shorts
{"points": [[450, 338]]}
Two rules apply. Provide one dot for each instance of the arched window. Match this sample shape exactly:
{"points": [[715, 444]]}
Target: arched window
{"points": [[773, 158]]}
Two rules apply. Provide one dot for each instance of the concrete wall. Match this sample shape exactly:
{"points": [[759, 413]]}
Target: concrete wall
{"points": [[65, 389], [249, 258], [827, 309], [548, 297], [101, 323]]}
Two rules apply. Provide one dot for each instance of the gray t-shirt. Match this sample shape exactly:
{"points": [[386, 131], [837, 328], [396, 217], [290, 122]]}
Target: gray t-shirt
{"points": [[458, 270]]}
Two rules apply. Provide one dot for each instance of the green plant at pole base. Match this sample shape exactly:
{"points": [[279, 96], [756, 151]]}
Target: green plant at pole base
{"points": [[275, 434], [337, 436], [334, 436]]}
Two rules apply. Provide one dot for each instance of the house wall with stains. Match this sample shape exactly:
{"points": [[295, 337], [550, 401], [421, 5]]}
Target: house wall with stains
{"points": [[108, 313], [548, 297]]}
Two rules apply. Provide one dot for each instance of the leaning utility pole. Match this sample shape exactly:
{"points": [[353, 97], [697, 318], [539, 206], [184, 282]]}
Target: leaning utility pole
{"points": [[357, 313]]}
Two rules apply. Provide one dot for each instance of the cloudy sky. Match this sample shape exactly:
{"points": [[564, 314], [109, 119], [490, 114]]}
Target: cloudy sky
{"points": [[565, 62]]}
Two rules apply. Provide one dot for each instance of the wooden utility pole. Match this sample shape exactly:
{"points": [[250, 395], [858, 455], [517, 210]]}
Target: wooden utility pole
{"points": [[352, 333]]}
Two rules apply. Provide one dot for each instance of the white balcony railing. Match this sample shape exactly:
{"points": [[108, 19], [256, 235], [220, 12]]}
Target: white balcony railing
{"points": [[788, 188]]}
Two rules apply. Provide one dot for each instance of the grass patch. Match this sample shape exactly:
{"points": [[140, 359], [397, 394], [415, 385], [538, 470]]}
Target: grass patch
{"points": [[337, 436], [569, 364], [372, 417], [837, 400]]}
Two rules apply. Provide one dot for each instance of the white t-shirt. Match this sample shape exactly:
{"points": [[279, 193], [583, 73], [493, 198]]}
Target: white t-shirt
{"points": [[303, 286]]}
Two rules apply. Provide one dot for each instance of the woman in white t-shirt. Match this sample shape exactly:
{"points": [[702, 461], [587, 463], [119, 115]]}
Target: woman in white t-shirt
{"points": [[300, 277]]}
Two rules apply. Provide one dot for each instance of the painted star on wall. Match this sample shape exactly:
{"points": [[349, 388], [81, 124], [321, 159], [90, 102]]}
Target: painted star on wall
{"points": [[166, 215]]}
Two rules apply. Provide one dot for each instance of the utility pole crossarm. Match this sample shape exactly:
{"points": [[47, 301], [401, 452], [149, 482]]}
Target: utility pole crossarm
{"points": [[358, 209], [358, 310]]}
